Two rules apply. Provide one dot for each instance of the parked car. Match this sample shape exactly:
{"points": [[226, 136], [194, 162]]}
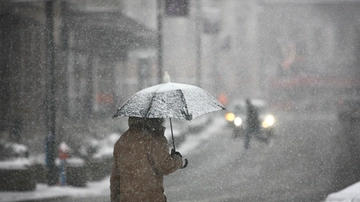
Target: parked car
{"points": [[16, 173], [236, 117]]}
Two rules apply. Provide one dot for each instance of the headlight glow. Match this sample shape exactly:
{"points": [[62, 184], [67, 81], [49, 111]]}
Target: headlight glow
{"points": [[268, 121], [237, 121], [230, 116]]}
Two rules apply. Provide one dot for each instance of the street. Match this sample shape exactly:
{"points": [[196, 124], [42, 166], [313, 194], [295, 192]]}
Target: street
{"points": [[307, 160]]}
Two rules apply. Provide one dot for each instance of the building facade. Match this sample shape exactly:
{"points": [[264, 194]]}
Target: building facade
{"points": [[91, 64], [309, 52], [105, 52]]}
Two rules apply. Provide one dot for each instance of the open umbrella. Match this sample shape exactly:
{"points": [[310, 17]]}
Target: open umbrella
{"points": [[170, 100]]}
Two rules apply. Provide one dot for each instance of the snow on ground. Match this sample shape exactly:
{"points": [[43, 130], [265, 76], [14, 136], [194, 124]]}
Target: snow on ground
{"points": [[349, 194], [191, 142], [17, 163], [42, 191]]}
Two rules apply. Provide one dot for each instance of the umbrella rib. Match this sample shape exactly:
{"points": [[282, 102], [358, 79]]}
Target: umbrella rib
{"points": [[152, 99], [187, 115], [118, 111], [151, 103]]}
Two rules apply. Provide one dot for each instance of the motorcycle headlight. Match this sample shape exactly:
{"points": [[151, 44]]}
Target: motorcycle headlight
{"points": [[237, 121], [268, 121], [230, 117]]}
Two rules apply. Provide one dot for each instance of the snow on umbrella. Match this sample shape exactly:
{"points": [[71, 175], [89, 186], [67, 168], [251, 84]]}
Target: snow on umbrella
{"points": [[170, 100]]}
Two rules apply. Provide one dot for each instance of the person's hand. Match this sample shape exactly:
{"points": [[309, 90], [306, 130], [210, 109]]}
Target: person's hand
{"points": [[173, 152]]}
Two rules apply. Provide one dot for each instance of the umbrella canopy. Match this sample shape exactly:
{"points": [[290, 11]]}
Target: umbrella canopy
{"points": [[170, 100]]}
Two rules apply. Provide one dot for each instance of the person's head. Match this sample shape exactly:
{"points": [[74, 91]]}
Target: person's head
{"points": [[146, 123], [248, 102], [157, 122]]}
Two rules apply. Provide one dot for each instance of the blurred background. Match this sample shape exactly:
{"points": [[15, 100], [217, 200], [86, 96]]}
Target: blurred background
{"points": [[298, 55], [67, 65]]}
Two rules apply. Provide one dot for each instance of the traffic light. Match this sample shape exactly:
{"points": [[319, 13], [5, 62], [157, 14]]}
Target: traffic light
{"points": [[211, 27], [177, 7], [211, 21]]}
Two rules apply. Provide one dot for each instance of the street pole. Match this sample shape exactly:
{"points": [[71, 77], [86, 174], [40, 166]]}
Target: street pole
{"points": [[216, 76], [198, 32], [50, 93], [159, 41]]}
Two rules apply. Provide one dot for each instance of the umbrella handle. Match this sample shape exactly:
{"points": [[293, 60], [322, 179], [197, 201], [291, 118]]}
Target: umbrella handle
{"points": [[184, 166], [172, 134]]}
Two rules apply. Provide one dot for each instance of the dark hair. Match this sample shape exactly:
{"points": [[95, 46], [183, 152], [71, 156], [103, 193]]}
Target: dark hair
{"points": [[156, 121], [153, 124]]}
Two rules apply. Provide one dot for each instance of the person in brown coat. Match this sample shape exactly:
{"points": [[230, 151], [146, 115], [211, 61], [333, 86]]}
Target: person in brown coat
{"points": [[141, 159]]}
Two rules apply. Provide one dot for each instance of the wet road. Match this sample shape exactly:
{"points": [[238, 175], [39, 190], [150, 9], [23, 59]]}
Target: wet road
{"points": [[307, 160]]}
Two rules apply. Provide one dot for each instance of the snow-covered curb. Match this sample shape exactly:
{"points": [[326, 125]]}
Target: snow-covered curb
{"points": [[15, 164], [45, 192], [349, 194]]}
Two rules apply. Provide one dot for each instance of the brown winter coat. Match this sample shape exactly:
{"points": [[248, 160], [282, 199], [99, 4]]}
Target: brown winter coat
{"points": [[141, 159]]}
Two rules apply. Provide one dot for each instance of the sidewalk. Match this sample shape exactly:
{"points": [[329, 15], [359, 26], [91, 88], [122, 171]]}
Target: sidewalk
{"points": [[100, 188], [44, 192]]}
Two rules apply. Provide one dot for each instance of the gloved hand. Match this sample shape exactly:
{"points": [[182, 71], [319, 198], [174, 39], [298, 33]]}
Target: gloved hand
{"points": [[173, 152]]}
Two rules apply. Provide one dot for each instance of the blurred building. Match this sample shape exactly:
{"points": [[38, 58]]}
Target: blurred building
{"points": [[286, 51], [296, 54], [92, 64], [309, 52]]}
